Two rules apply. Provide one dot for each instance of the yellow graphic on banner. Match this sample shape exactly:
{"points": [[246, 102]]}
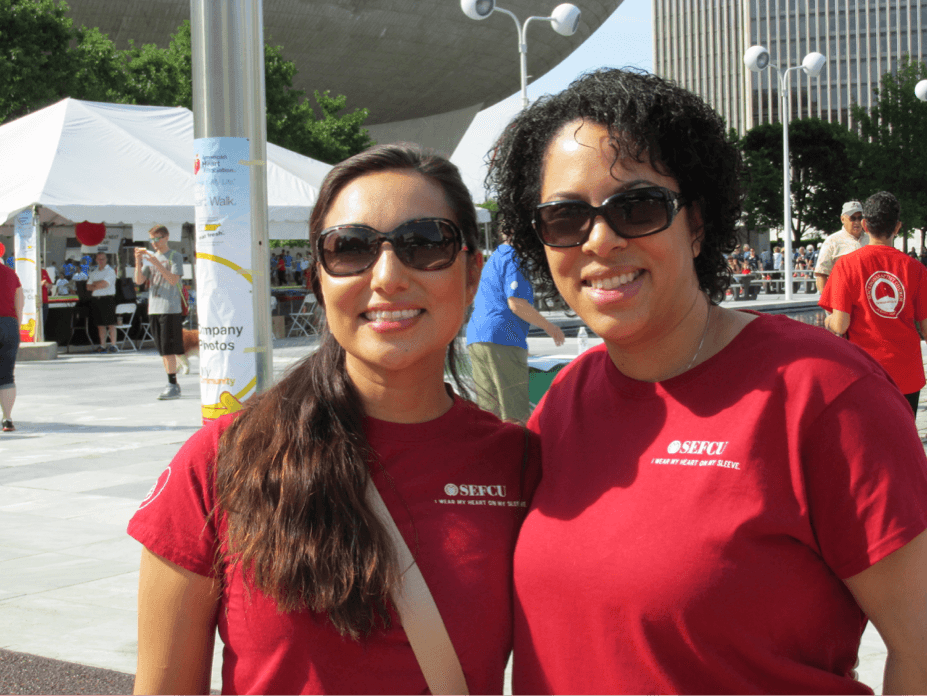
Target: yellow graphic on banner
{"points": [[28, 329], [228, 402], [246, 274], [23, 258], [211, 227]]}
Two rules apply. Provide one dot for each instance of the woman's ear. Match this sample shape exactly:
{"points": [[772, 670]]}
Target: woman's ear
{"points": [[474, 269], [697, 230]]}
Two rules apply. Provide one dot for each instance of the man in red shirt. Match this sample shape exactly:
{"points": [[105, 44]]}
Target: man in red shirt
{"points": [[877, 296]]}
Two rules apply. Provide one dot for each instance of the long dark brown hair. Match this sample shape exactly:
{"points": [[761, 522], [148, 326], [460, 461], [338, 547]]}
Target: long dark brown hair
{"points": [[292, 468]]}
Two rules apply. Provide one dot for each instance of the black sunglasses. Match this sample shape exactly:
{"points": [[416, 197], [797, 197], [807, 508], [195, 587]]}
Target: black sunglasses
{"points": [[857, 217], [631, 214], [426, 244]]}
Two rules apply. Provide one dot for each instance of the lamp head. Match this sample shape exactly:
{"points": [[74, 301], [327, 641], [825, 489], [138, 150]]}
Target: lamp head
{"points": [[756, 58], [565, 19], [921, 90], [813, 64], [478, 9]]}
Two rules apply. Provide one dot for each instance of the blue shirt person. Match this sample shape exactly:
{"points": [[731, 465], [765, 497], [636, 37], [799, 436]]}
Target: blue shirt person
{"points": [[497, 333]]}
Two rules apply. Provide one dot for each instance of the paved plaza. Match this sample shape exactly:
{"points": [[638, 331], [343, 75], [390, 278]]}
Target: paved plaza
{"points": [[91, 439]]}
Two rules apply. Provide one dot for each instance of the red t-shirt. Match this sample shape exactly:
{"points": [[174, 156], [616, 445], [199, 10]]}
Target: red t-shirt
{"points": [[9, 281], [689, 536], [457, 492], [45, 277], [884, 292]]}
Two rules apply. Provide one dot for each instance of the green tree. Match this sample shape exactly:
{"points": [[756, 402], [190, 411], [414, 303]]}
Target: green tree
{"points": [[161, 77], [43, 59], [34, 64], [893, 133], [821, 174]]}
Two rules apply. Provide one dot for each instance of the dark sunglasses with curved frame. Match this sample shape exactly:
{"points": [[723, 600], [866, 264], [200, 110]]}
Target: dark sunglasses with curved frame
{"points": [[630, 214], [425, 244]]}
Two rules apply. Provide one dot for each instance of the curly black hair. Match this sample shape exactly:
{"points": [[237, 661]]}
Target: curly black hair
{"points": [[649, 119], [881, 211]]}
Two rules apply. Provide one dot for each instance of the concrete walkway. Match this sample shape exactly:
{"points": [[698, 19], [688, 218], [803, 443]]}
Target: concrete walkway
{"points": [[91, 439]]}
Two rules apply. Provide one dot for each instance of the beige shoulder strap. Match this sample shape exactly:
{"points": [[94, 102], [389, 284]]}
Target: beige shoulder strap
{"points": [[421, 620]]}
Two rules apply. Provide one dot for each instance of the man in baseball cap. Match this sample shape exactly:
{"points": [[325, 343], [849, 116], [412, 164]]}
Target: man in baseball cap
{"points": [[850, 238]]}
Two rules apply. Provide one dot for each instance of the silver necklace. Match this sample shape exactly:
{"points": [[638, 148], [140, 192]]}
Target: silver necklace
{"points": [[702, 340]]}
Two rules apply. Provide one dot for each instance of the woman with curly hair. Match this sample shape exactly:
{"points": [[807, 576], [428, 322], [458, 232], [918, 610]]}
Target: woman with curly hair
{"points": [[726, 497], [263, 526]]}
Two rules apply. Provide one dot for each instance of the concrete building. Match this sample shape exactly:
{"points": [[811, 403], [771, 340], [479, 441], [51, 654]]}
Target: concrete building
{"points": [[700, 45], [421, 67]]}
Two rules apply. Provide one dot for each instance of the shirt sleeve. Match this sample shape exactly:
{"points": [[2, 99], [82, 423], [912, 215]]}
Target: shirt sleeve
{"points": [[176, 520], [864, 467], [825, 260], [838, 292], [515, 284], [920, 295]]}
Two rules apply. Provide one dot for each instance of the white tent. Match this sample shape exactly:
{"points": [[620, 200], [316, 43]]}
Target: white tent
{"points": [[130, 165]]}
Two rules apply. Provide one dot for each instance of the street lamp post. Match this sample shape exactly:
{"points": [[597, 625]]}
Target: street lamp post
{"points": [[756, 58], [921, 90], [564, 20]]}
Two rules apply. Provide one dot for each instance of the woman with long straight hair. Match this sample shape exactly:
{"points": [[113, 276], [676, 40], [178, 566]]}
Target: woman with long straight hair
{"points": [[263, 527]]}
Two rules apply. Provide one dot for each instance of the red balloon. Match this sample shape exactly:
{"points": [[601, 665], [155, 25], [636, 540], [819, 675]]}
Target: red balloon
{"points": [[2, 249], [90, 233]]}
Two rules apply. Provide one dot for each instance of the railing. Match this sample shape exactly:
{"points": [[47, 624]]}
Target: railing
{"points": [[750, 285]]}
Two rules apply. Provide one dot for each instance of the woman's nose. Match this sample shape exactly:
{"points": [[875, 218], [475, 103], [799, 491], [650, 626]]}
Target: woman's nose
{"points": [[389, 274], [603, 240]]}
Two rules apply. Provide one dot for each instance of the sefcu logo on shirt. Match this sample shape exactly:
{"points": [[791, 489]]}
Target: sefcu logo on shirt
{"points": [[473, 494], [697, 453]]}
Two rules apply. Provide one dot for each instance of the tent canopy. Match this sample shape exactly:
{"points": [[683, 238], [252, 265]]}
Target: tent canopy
{"points": [[130, 165]]}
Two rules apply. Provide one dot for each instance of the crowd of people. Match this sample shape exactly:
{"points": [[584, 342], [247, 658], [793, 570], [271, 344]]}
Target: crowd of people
{"points": [[289, 270]]}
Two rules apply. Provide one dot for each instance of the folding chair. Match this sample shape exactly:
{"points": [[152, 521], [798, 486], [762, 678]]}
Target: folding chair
{"points": [[145, 326], [303, 317], [80, 321], [125, 313]]}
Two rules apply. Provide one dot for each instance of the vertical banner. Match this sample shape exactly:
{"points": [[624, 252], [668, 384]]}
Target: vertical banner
{"points": [[222, 195], [26, 254]]}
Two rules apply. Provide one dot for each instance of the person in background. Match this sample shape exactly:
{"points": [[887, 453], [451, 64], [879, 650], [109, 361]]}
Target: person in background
{"points": [[281, 269], [165, 269], [46, 285], [288, 266], [298, 270], [12, 301], [877, 296], [68, 269], [62, 286], [264, 525], [102, 285], [850, 238], [79, 274], [727, 497], [496, 336]]}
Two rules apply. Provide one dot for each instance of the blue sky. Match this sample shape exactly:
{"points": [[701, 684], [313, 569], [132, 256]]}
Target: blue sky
{"points": [[625, 39]]}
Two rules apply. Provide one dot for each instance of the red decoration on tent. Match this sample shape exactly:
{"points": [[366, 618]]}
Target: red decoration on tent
{"points": [[90, 233], [2, 249]]}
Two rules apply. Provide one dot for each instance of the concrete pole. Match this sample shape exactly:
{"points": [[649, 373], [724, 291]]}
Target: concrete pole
{"points": [[227, 41]]}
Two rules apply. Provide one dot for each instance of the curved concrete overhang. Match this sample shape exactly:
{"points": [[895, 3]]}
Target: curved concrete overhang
{"points": [[404, 60]]}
